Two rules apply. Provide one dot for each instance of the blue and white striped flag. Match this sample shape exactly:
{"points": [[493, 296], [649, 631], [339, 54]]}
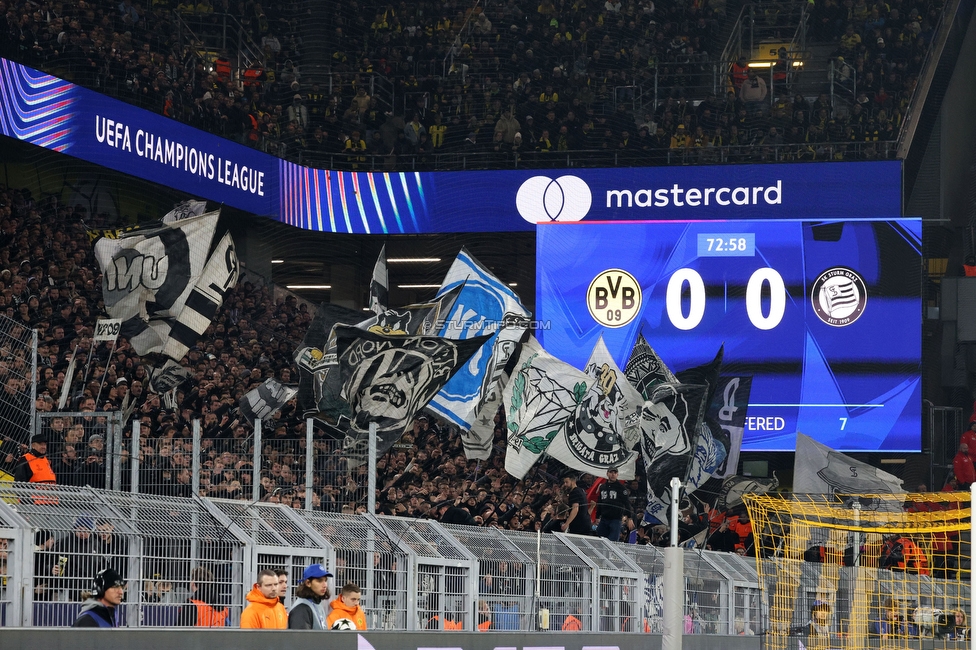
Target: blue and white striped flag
{"points": [[485, 306]]}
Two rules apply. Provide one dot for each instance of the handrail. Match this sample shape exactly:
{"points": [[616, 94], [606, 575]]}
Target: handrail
{"points": [[735, 154], [927, 73]]}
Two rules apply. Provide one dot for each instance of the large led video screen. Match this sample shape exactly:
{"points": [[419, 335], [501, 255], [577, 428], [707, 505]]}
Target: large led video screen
{"points": [[823, 316]]}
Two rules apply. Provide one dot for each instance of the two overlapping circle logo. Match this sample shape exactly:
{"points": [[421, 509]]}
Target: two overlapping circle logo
{"points": [[541, 199], [839, 296]]}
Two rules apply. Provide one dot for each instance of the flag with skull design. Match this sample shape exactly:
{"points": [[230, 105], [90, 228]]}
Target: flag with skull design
{"points": [[389, 379]]}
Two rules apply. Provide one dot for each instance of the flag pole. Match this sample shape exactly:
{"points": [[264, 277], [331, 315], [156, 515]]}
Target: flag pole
{"points": [[371, 473], [674, 580]]}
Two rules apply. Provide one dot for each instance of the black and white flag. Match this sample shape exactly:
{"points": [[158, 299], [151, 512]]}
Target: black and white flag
{"points": [[670, 423], [388, 380], [175, 336], [318, 368], [645, 369], [379, 285], [261, 402], [149, 272], [167, 377], [712, 447], [185, 210]]}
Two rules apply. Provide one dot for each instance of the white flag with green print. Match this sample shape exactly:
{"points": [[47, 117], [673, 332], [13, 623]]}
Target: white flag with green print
{"points": [[540, 396]]}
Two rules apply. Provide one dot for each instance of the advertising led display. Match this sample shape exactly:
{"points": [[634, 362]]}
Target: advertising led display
{"points": [[49, 112], [824, 316]]}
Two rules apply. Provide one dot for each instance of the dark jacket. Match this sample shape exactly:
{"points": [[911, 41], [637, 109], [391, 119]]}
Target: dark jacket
{"points": [[94, 608]]}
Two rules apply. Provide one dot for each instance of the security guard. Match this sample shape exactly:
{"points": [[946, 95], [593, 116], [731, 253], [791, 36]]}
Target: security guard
{"points": [[34, 466]]}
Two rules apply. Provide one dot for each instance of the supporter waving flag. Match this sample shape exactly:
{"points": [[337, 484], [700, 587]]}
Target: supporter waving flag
{"points": [[728, 409], [712, 446], [388, 380], [542, 393], [379, 285], [261, 402], [485, 306], [185, 210], [605, 425], [670, 422]]}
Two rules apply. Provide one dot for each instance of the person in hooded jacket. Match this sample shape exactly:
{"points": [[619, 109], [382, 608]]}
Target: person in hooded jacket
{"points": [[265, 611], [99, 610], [308, 610], [346, 606]]}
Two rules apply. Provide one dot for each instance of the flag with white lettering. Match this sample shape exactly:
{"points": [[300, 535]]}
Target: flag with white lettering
{"points": [[175, 336], [596, 436], [670, 422], [542, 393], [185, 210], [388, 380], [149, 272], [261, 402], [485, 306], [645, 368], [379, 285]]}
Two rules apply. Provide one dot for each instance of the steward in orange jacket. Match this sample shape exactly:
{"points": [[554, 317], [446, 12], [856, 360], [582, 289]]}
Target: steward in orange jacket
{"points": [[346, 606], [265, 611], [34, 466]]}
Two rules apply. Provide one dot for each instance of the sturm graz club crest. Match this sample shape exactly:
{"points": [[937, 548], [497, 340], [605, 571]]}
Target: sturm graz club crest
{"points": [[839, 296], [593, 432]]}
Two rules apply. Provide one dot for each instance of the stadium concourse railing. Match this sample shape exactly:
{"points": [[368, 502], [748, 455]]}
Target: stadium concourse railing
{"points": [[415, 574], [613, 157]]}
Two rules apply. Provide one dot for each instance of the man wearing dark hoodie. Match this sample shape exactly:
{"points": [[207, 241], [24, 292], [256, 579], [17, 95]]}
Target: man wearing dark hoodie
{"points": [[265, 611], [99, 610], [308, 612], [346, 613]]}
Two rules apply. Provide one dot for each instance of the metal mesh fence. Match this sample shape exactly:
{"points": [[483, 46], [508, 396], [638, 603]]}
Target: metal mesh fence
{"points": [[18, 368], [566, 582], [83, 447]]}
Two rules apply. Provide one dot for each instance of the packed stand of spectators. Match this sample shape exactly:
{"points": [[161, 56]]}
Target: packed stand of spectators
{"points": [[134, 53], [49, 282]]}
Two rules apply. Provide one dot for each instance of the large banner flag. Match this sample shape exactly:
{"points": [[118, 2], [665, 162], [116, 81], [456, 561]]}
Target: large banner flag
{"points": [[645, 369], [479, 440], [713, 444], [261, 402], [185, 210], [319, 383], [670, 423], [175, 336], [149, 272], [484, 306], [728, 409], [379, 285], [167, 377], [818, 469], [388, 380], [605, 425], [542, 393], [323, 362]]}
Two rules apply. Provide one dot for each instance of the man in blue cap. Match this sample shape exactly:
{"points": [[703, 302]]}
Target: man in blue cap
{"points": [[308, 612]]}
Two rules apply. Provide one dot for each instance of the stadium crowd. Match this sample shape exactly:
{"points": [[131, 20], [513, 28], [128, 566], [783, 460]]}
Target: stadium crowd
{"points": [[513, 81], [49, 282]]}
